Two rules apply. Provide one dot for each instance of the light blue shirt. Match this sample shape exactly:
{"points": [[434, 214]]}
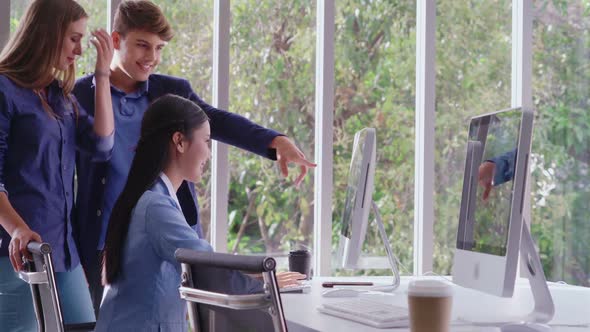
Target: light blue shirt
{"points": [[128, 110], [170, 189], [145, 296]]}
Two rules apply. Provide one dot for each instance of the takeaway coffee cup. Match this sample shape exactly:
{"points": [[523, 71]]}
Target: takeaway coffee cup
{"points": [[300, 261], [430, 303]]}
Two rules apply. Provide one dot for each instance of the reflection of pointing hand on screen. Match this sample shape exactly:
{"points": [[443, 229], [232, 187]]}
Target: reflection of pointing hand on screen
{"points": [[486, 177], [496, 171]]}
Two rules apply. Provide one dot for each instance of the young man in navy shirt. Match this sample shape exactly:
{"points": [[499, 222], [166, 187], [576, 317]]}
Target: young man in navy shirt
{"points": [[140, 32]]}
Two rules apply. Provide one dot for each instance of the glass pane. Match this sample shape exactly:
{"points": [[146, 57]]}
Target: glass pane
{"points": [[561, 157], [189, 55], [375, 87], [272, 83], [473, 68], [97, 18], [17, 9]]}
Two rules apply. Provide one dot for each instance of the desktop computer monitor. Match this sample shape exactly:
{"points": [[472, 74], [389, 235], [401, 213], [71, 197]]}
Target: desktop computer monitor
{"points": [[491, 215], [359, 194]]}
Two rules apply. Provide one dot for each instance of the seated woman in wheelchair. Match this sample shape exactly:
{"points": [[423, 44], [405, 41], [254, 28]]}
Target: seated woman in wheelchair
{"points": [[147, 225]]}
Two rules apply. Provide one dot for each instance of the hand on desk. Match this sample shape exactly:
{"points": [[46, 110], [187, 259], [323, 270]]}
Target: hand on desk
{"points": [[286, 279]]}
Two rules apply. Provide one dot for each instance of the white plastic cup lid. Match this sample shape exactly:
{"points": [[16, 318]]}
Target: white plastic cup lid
{"points": [[429, 288]]}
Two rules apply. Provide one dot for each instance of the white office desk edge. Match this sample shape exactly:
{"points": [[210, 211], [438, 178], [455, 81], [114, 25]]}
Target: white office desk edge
{"points": [[572, 306]]}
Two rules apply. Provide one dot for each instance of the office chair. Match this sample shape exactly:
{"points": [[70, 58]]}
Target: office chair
{"points": [[41, 278], [214, 304]]}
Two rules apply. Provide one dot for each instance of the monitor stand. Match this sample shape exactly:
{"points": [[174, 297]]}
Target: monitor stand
{"points": [[543, 311], [390, 255]]}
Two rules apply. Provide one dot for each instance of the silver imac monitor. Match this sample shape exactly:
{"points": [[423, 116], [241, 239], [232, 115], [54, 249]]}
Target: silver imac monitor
{"points": [[491, 215], [358, 203], [359, 194]]}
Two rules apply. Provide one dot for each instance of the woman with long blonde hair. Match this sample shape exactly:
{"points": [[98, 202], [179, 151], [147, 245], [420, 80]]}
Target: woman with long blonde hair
{"points": [[42, 127]]}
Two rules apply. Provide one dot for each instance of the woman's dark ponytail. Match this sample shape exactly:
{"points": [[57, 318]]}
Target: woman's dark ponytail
{"points": [[164, 117]]}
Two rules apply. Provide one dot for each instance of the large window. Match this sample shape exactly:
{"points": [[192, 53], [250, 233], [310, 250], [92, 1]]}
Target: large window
{"points": [[272, 75], [374, 78], [271, 83], [561, 143], [17, 9], [97, 17], [189, 55], [473, 67]]}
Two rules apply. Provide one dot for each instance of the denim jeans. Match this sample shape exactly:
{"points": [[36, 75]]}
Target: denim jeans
{"points": [[16, 305]]}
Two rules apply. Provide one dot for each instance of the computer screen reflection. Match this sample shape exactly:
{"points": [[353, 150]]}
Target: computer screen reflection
{"points": [[493, 141]]}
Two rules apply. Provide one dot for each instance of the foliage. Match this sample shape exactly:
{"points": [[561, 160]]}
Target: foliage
{"points": [[561, 182], [272, 74], [473, 77]]}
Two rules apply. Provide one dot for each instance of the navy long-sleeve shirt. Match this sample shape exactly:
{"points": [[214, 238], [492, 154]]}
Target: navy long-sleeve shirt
{"points": [[37, 161], [96, 185]]}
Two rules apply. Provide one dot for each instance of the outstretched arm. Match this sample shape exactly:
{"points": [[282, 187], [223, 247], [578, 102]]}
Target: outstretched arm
{"points": [[236, 130]]}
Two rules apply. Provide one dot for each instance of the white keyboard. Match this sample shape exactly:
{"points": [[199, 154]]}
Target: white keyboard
{"points": [[369, 312], [304, 287]]}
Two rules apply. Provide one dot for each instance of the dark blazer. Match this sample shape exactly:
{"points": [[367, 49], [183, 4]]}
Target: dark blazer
{"points": [[226, 127]]}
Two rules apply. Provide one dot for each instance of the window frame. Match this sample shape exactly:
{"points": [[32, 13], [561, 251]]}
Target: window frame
{"points": [[522, 30]]}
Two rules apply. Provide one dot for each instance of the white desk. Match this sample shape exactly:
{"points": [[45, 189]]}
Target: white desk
{"points": [[572, 307]]}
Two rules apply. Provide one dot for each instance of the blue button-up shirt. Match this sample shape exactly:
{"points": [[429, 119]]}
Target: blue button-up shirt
{"points": [[37, 161], [128, 110]]}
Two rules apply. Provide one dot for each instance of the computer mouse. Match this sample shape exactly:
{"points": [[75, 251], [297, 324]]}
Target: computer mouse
{"points": [[340, 292]]}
